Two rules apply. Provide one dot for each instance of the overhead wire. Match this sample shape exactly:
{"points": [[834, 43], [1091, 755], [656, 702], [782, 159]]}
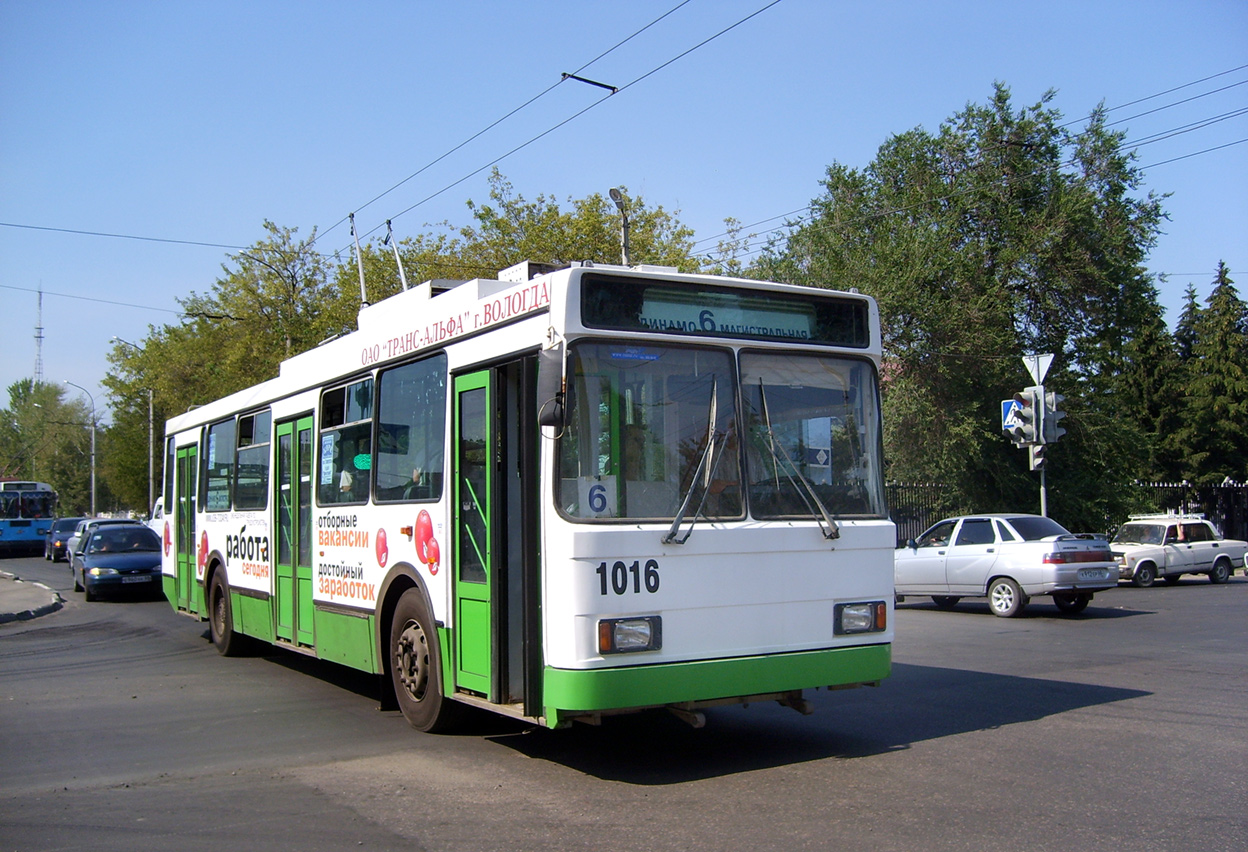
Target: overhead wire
{"points": [[578, 114], [499, 121]]}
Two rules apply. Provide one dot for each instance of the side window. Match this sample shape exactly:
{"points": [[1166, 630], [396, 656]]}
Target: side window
{"points": [[976, 531], [219, 466], [346, 443], [411, 431], [1196, 532], [1005, 533], [170, 455], [251, 491], [1172, 535], [937, 536]]}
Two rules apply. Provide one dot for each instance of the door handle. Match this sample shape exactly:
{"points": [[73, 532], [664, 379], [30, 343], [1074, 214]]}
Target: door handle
{"points": [[992, 550]]}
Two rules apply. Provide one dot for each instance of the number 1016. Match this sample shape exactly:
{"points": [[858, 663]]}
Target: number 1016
{"points": [[621, 576]]}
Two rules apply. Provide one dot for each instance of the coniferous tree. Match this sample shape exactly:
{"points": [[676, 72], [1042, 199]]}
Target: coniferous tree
{"points": [[1217, 398]]}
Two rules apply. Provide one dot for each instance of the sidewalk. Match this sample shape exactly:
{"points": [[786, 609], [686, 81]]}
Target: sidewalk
{"points": [[20, 600]]}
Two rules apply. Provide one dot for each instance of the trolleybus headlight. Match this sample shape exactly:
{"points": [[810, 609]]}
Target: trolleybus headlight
{"points": [[869, 617], [625, 635]]}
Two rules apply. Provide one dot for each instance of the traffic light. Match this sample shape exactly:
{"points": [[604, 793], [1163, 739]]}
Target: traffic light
{"points": [[1025, 425], [1036, 456], [1052, 414]]}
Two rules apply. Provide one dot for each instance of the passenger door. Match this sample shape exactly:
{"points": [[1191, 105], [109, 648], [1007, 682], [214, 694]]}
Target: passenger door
{"points": [[473, 514], [187, 485], [292, 505], [971, 558]]}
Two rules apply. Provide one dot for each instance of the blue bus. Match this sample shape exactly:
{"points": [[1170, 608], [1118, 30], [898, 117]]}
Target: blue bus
{"points": [[26, 513]]}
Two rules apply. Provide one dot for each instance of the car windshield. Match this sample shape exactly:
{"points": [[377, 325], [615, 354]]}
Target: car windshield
{"points": [[123, 540], [1036, 528], [1140, 534]]}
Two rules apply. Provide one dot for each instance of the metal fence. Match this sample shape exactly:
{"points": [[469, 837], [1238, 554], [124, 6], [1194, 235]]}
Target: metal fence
{"points": [[914, 507], [1226, 504]]}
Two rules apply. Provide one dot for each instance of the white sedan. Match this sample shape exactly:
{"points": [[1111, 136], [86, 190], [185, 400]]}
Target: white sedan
{"points": [[1007, 558]]}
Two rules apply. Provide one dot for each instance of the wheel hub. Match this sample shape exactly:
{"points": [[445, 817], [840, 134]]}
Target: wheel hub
{"points": [[411, 660]]}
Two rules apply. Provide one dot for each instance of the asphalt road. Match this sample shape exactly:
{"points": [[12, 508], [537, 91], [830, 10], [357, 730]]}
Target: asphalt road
{"points": [[1124, 728]]}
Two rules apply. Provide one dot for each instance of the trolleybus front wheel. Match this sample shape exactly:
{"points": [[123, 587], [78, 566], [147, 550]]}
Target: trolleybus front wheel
{"points": [[415, 667]]}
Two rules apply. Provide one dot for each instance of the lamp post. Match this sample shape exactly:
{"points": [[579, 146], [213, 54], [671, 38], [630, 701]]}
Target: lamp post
{"points": [[151, 468], [621, 201], [92, 398]]}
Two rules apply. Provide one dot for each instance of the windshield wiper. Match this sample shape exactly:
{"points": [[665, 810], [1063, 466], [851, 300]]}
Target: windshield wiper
{"points": [[703, 465], [802, 485]]}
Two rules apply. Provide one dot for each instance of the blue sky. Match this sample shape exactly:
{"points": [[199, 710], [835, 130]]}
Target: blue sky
{"points": [[197, 121]]}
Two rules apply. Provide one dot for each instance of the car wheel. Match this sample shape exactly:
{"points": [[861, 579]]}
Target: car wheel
{"points": [[415, 667], [221, 620], [77, 585], [1221, 571], [1005, 598], [1072, 604], [945, 601], [1145, 575]]}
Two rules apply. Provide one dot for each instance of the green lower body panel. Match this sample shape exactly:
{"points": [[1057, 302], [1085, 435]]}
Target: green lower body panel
{"points": [[253, 616], [345, 639], [592, 690]]}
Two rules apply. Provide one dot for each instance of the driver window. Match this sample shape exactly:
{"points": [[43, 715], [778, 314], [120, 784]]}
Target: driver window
{"points": [[937, 536]]}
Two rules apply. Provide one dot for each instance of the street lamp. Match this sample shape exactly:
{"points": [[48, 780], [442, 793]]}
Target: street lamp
{"points": [[92, 398], [151, 468], [621, 201]]}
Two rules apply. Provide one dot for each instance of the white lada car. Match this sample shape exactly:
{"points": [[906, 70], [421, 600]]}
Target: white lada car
{"points": [[1149, 547]]}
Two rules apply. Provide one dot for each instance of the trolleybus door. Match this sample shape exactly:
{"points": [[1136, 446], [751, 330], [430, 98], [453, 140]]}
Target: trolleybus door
{"points": [[187, 473], [292, 591], [473, 514]]}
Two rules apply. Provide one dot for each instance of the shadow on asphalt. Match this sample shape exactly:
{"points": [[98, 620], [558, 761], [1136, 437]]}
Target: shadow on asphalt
{"points": [[915, 704], [1040, 607]]}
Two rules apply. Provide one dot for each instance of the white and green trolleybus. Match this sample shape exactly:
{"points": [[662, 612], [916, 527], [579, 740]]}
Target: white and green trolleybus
{"points": [[559, 495]]}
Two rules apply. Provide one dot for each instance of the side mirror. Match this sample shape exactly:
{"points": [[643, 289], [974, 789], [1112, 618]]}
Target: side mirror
{"points": [[550, 387], [911, 543]]}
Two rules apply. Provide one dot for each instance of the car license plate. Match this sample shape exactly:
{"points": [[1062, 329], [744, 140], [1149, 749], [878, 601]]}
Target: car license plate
{"points": [[137, 578], [1093, 574]]}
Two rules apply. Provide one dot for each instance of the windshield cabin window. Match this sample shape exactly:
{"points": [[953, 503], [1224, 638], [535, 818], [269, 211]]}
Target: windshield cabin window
{"points": [[346, 443], [813, 418], [644, 426]]}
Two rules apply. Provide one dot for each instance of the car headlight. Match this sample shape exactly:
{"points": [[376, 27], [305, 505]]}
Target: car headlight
{"points": [[102, 572], [867, 617], [628, 635]]}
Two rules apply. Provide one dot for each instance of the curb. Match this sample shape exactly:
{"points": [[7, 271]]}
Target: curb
{"points": [[51, 606]]}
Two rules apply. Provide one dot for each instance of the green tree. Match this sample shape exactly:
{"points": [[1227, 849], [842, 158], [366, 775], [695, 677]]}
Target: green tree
{"points": [[1217, 398], [46, 437], [281, 297], [1004, 233]]}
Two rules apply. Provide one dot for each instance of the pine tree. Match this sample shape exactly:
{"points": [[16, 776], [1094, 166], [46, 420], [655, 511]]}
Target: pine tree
{"points": [[1217, 399]]}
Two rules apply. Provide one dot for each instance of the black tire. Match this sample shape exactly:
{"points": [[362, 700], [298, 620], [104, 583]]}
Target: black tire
{"points": [[1072, 603], [1145, 575], [1172, 579], [1005, 598], [416, 666], [229, 642], [1220, 572], [77, 585], [945, 601]]}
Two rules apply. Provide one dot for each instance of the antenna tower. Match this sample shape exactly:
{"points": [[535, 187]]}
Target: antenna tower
{"points": [[39, 340]]}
